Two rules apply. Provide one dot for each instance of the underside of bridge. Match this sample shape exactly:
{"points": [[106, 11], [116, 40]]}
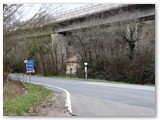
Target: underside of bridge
{"points": [[105, 21], [71, 57]]}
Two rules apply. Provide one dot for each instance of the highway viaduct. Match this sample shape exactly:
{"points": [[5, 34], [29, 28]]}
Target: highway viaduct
{"points": [[100, 15], [106, 15]]}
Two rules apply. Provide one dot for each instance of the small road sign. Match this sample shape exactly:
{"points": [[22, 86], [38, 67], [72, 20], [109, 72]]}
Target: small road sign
{"points": [[25, 61], [30, 65]]}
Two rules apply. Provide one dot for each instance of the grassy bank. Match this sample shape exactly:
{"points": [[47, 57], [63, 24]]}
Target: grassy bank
{"points": [[20, 105]]}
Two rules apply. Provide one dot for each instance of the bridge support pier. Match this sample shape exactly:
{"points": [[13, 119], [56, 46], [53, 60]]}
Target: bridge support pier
{"points": [[59, 47]]}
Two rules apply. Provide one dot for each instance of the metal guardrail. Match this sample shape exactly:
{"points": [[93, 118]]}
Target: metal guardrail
{"points": [[87, 7]]}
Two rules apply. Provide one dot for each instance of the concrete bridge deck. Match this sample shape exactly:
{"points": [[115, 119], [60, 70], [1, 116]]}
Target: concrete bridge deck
{"points": [[101, 14]]}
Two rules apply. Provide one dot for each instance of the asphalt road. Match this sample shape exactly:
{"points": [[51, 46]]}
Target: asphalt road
{"points": [[104, 99]]}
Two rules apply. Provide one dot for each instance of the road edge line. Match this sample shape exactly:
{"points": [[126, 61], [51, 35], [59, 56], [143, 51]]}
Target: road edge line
{"points": [[68, 97]]}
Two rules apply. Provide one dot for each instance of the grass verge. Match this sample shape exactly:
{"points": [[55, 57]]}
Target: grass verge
{"points": [[90, 80], [21, 104]]}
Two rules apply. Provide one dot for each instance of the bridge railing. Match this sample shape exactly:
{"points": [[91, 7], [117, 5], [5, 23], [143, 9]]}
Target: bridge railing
{"points": [[84, 10], [77, 10]]}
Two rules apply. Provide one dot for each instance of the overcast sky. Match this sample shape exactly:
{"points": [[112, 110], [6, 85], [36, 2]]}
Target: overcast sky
{"points": [[73, 6]]}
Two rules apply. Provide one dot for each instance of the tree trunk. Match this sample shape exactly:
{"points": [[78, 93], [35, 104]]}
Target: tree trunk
{"points": [[44, 69]]}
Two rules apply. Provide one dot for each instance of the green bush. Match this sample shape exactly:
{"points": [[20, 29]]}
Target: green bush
{"points": [[140, 70]]}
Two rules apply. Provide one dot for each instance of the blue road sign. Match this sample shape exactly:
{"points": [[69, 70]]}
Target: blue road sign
{"points": [[30, 65]]}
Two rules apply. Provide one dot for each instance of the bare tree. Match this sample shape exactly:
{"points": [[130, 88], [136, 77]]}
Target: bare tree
{"points": [[17, 29], [112, 52], [14, 23]]}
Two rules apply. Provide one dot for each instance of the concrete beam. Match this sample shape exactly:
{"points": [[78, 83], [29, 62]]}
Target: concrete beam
{"points": [[144, 12], [31, 32]]}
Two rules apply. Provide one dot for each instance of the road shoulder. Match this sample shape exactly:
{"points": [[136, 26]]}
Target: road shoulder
{"points": [[54, 105]]}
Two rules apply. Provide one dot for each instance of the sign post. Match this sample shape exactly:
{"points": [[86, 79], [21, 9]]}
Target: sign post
{"points": [[25, 61], [30, 77], [85, 69]]}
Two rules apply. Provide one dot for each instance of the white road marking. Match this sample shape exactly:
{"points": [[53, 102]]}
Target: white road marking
{"points": [[68, 98], [129, 86]]}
